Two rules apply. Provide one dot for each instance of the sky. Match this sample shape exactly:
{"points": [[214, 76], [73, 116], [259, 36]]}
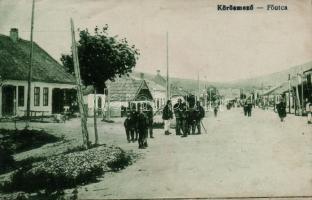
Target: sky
{"points": [[218, 45]]}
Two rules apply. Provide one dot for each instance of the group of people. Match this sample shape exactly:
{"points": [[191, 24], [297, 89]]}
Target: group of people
{"points": [[138, 124], [188, 117]]}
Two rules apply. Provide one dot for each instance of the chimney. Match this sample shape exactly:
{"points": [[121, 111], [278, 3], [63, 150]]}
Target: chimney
{"points": [[142, 76], [158, 72], [14, 34]]}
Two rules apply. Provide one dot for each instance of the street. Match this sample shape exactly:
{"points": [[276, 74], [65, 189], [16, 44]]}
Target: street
{"points": [[238, 157]]}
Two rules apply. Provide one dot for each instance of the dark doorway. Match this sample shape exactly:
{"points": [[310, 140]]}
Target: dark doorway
{"points": [[8, 97], [57, 100]]}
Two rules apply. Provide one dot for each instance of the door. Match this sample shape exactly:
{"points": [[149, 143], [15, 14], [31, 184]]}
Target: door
{"points": [[57, 101], [8, 100]]}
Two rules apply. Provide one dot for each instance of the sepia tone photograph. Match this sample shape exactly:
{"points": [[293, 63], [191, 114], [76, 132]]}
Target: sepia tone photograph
{"points": [[155, 99]]}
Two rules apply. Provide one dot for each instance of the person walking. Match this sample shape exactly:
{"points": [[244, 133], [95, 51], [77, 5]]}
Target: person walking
{"points": [[200, 116], [281, 109], [177, 108], [167, 116], [309, 111], [150, 116]]}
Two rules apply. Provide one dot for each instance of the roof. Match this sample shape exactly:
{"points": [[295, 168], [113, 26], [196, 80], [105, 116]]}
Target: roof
{"points": [[280, 89], [126, 89], [14, 63], [158, 79]]}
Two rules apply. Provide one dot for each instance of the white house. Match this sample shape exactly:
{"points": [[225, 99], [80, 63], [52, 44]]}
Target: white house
{"points": [[88, 97], [52, 88]]}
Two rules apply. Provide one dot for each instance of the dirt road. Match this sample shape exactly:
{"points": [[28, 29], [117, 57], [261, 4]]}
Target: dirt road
{"points": [[239, 157]]}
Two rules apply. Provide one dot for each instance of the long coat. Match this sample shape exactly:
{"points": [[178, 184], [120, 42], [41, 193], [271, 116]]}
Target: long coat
{"points": [[281, 109]]}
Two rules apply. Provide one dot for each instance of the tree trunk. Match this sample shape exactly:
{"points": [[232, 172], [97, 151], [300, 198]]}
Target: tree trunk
{"points": [[96, 136]]}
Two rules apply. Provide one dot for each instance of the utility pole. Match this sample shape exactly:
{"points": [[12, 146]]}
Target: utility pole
{"points": [[84, 129], [168, 89], [289, 93], [30, 65], [198, 87]]}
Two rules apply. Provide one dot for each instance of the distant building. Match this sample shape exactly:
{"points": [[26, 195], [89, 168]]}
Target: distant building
{"points": [[158, 79], [52, 87]]}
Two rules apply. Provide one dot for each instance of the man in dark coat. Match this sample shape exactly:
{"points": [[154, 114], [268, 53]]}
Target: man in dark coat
{"points": [[127, 124], [150, 116], [167, 116], [281, 109], [185, 119], [249, 107], [200, 116], [133, 124], [142, 125], [178, 115]]}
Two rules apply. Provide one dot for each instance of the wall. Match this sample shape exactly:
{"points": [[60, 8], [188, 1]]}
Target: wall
{"points": [[89, 100], [20, 110]]}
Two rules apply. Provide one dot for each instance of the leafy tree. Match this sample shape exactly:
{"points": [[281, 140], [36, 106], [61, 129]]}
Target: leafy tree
{"points": [[101, 58]]}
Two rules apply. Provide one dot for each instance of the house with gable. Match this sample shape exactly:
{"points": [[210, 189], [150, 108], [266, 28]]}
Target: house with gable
{"points": [[52, 88]]}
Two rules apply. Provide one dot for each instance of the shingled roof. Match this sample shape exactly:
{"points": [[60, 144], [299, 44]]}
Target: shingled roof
{"points": [[127, 89], [14, 63]]}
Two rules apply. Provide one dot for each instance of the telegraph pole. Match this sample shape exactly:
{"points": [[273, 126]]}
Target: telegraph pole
{"points": [[289, 93], [84, 129], [30, 65], [168, 89]]}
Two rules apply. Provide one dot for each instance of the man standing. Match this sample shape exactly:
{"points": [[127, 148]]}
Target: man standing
{"points": [[167, 116], [150, 115], [133, 123], [249, 106], [178, 115], [185, 120], [142, 128], [200, 116]]}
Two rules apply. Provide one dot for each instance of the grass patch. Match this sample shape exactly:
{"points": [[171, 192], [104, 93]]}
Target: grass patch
{"points": [[23, 140]]}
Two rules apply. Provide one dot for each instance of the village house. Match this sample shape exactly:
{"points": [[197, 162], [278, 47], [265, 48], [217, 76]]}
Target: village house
{"points": [[52, 88], [158, 90], [125, 93]]}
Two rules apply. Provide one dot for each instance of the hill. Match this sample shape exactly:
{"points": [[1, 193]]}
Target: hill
{"points": [[267, 80]]}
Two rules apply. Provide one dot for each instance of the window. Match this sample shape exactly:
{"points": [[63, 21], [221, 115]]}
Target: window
{"points": [[21, 95], [45, 96], [37, 96]]}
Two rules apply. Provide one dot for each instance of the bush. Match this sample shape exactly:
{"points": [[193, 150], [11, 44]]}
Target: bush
{"points": [[22, 140], [67, 171], [120, 162]]}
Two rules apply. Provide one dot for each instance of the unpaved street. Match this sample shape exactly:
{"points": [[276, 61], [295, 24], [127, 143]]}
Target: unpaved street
{"points": [[239, 157]]}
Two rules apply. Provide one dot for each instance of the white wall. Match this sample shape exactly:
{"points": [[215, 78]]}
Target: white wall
{"points": [[20, 110], [89, 99]]}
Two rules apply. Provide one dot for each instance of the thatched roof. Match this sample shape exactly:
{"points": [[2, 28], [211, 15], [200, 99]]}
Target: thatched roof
{"points": [[15, 59], [128, 89]]}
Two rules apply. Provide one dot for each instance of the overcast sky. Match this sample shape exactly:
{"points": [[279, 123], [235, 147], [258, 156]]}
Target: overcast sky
{"points": [[222, 46]]}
